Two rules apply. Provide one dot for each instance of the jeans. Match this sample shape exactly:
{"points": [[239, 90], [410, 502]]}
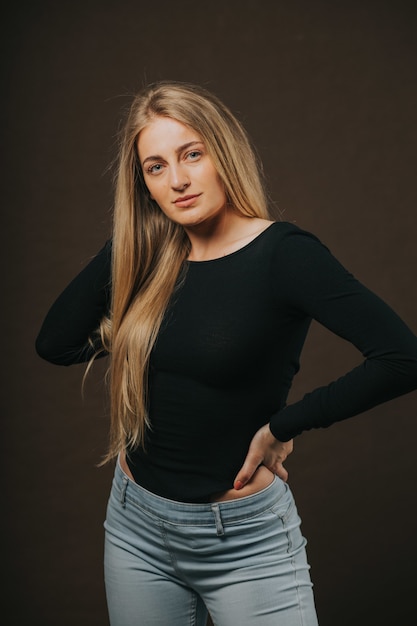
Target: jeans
{"points": [[243, 560]]}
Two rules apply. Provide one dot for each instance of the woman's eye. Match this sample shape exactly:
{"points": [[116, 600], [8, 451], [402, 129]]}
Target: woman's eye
{"points": [[155, 169], [194, 155]]}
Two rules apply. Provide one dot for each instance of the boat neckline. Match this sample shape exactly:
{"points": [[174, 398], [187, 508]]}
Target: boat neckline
{"points": [[235, 252]]}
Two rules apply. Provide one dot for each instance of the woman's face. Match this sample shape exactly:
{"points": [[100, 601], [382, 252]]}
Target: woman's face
{"points": [[179, 173]]}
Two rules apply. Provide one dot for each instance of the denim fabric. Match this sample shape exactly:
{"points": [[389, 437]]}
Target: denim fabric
{"points": [[167, 562]]}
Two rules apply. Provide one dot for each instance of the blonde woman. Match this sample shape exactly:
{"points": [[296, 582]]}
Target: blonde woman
{"points": [[203, 303]]}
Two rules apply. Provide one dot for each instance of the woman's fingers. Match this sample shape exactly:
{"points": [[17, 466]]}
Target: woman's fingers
{"points": [[264, 449], [281, 472], [247, 470]]}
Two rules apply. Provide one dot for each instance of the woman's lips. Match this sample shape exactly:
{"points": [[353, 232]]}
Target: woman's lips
{"points": [[186, 201]]}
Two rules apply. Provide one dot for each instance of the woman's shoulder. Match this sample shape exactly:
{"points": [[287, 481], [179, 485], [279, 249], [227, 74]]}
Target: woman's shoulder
{"points": [[298, 250], [290, 234]]}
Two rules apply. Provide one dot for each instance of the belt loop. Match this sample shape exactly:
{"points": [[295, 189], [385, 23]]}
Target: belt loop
{"points": [[123, 491], [218, 519]]}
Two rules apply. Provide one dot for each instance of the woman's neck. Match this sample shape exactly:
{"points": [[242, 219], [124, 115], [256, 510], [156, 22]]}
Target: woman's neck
{"points": [[223, 235]]}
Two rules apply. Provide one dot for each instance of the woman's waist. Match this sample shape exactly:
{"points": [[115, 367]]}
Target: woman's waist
{"points": [[211, 488], [267, 494]]}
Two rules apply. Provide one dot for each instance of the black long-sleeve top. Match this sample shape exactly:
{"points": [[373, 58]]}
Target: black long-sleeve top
{"points": [[229, 348]]}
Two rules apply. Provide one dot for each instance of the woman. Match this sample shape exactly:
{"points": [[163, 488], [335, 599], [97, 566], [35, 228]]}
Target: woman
{"points": [[203, 304]]}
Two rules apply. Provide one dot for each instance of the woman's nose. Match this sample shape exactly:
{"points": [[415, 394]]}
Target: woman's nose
{"points": [[179, 179]]}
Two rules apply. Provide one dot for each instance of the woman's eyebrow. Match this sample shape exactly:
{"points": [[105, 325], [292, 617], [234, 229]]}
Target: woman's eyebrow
{"points": [[157, 157]]}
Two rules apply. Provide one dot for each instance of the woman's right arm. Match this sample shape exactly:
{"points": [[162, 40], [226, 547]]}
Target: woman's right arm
{"points": [[75, 315]]}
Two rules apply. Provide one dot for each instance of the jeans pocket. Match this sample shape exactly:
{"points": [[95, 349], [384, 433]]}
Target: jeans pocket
{"points": [[286, 512]]}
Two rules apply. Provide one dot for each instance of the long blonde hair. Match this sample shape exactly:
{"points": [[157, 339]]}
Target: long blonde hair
{"points": [[149, 250]]}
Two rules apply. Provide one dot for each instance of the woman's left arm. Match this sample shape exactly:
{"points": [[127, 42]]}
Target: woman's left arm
{"points": [[313, 283], [317, 285]]}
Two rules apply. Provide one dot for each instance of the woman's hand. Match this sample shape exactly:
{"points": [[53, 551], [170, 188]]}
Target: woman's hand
{"points": [[264, 450]]}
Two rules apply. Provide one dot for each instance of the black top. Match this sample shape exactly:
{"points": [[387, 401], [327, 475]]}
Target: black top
{"points": [[229, 348]]}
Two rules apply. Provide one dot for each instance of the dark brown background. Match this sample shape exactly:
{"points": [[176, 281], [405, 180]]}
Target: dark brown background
{"points": [[328, 93]]}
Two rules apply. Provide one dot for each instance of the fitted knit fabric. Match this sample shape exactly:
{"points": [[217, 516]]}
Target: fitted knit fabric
{"points": [[229, 348]]}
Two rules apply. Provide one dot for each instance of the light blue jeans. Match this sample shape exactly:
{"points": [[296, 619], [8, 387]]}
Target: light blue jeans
{"points": [[167, 562]]}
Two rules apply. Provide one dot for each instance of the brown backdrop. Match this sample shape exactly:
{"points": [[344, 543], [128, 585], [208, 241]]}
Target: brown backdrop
{"points": [[327, 90]]}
